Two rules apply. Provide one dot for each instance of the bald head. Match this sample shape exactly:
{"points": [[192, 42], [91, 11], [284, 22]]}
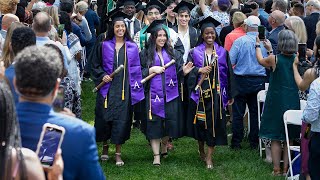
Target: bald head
{"points": [[277, 18], [41, 23], [7, 20]]}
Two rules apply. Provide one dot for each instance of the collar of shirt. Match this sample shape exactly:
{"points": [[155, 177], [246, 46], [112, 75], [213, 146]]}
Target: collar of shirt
{"points": [[239, 30], [38, 38], [252, 33], [33, 106]]}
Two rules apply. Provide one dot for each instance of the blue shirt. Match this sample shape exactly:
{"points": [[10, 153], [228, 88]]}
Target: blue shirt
{"points": [[79, 149], [263, 13], [93, 20], [243, 56], [77, 31], [10, 73], [312, 110], [41, 41]]}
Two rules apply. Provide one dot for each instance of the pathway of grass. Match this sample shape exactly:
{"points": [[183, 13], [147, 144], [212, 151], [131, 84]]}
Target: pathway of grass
{"points": [[182, 163]]}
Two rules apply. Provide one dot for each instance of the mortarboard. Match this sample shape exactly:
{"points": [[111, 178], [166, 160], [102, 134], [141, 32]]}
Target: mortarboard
{"points": [[128, 2], [183, 5], [208, 21], [157, 3], [154, 26], [117, 14]]}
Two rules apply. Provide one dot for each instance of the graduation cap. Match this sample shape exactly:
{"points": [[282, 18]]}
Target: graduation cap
{"points": [[207, 22], [154, 26], [117, 14], [156, 3], [183, 5], [128, 2]]}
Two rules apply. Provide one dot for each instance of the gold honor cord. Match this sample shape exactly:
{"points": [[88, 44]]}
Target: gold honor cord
{"points": [[150, 113], [213, 58], [124, 70]]}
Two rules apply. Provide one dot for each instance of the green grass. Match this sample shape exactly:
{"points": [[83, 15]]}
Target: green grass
{"points": [[182, 163]]}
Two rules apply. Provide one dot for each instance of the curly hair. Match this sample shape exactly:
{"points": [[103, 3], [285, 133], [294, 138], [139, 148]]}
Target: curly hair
{"points": [[37, 70], [8, 6], [9, 134]]}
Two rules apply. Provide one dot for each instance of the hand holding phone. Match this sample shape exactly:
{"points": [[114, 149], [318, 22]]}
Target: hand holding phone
{"points": [[50, 141]]}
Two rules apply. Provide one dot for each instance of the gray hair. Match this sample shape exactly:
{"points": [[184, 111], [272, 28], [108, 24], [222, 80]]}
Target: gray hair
{"points": [[37, 70], [287, 42], [314, 3], [281, 5]]}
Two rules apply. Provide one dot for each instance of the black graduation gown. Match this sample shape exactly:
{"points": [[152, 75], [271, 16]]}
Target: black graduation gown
{"points": [[113, 122], [194, 34], [172, 125], [212, 133]]}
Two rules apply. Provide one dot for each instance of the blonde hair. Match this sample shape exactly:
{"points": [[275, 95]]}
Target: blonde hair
{"points": [[8, 6], [297, 25], [53, 13], [7, 54], [81, 7]]}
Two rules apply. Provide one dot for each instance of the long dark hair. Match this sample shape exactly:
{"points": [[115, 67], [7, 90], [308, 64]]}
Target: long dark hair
{"points": [[151, 46], [200, 39], [316, 63], [110, 33], [9, 135]]}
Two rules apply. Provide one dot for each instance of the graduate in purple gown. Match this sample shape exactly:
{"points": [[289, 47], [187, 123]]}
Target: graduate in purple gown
{"points": [[163, 101], [115, 100], [206, 119]]}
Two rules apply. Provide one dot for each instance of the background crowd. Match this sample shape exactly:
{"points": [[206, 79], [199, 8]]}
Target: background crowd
{"points": [[52, 43]]}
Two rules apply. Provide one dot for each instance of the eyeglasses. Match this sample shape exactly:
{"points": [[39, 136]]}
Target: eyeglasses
{"points": [[153, 13]]}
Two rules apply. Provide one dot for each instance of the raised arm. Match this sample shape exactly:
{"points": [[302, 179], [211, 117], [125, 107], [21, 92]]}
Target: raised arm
{"points": [[268, 61], [302, 83]]}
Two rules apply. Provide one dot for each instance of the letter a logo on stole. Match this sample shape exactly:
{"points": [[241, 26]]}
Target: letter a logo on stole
{"points": [[136, 85], [157, 98], [171, 83]]}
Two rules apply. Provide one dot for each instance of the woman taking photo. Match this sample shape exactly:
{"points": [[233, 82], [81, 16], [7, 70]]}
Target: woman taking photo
{"points": [[282, 95], [162, 91], [115, 99], [206, 120]]}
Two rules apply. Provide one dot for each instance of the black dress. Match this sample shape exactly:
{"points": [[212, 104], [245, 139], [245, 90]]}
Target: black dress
{"points": [[113, 122], [210, 124], [172, 125]]}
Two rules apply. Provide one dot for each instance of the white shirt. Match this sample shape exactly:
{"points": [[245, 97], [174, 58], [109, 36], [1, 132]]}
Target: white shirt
{"points": [[131, 26], [185, 39]]}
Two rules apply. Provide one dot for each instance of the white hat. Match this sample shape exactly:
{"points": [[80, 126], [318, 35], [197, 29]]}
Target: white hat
{"points": [[252, 21]]}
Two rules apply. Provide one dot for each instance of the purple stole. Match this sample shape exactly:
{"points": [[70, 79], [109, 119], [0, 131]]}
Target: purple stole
{"points": [[134, 68], [198, 60], [156, 89]]}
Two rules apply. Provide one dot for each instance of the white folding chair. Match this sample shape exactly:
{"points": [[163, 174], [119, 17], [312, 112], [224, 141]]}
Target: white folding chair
{"points": [[293, 117], [261, 98]]}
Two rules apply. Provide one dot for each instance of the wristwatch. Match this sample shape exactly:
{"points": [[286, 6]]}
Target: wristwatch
{"points": [[269, 52], [257, 46]]}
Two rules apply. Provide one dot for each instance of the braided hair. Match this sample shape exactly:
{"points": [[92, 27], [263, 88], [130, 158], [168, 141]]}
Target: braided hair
{"points": [[9, 135]]}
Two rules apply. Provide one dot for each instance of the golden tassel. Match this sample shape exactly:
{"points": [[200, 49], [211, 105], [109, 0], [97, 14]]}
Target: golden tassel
{"points": [[122, 95], [181, 91], [195, 119], [150, 115], [106, 102]]}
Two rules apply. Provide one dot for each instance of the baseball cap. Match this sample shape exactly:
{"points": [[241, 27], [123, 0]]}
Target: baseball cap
{"points": [[252, 21]]}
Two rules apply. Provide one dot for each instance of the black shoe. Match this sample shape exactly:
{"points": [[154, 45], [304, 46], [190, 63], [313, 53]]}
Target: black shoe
{"points": [[253, 147]]}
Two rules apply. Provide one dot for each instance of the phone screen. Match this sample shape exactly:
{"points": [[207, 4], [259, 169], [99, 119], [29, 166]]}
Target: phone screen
{"points": [[261, 30], [49, 145], [60, 30], [58, 103], [302, 48]]}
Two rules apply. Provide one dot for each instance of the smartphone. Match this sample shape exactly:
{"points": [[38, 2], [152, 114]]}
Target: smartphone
{"points": [[50, 141], [58, 103], [60, 30], [261, 30], [302, 48]]}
